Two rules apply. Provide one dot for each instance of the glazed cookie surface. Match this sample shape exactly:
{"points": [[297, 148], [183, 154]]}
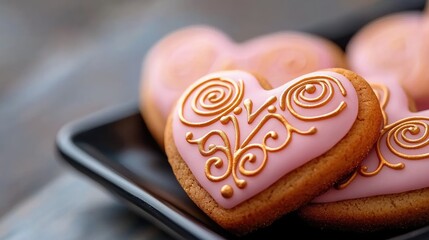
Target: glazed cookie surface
{"points": [[247, 154], [397, 43], [390, 190], [187, 54]]}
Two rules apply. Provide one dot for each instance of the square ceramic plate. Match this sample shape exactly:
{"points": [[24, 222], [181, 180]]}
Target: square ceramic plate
{"points": [[114, 148]]}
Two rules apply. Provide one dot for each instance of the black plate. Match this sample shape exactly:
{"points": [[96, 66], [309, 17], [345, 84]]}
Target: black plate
{"points": [[114, 148]]}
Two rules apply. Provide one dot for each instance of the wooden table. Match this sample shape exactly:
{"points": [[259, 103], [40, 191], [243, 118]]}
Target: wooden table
{"points": [[72, 207], [61, 60]]}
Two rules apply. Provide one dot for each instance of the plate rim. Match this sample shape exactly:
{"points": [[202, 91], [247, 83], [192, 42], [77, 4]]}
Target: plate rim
{"points": [[142, 202], [171, 221]]}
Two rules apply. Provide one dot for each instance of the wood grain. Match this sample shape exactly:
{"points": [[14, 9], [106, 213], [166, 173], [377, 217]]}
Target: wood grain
{"points": [[72, 207], [62, 60]]}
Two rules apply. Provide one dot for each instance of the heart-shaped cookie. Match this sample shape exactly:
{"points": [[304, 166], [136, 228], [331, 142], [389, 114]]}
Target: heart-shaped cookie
{"points": [[187, 54], [397, 43], [390, 190], [247, 154]]}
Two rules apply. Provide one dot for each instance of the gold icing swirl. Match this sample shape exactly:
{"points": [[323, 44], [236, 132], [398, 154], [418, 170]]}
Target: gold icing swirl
{"points": [[383, 95], [212, 98], [245, 151], [406, 134], [404, 138], [303, 95], [409, 133]]}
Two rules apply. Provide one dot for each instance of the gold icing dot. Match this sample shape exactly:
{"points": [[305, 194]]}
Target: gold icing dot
{"points": [[271, 109], [310, 88], [414, 130], [227, 191], [189, 135], [237, 110], [241, 183], [211, 95]]}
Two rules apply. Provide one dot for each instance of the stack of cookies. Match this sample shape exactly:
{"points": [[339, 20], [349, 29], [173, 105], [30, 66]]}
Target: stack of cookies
{"points": [[291, 123]]}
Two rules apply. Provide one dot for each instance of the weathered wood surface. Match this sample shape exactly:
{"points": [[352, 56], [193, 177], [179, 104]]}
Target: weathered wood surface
{"points": [[62, 60], [72, 207]]}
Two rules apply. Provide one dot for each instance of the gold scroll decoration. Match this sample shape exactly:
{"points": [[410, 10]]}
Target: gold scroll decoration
{"points": [[404, 138], [221, 100]]}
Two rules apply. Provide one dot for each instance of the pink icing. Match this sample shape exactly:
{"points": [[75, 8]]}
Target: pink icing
{"points": [[187, 54], [300, 149], [394, 44], [417, 82], [388, 181], [173, 64], [286, 55]]}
